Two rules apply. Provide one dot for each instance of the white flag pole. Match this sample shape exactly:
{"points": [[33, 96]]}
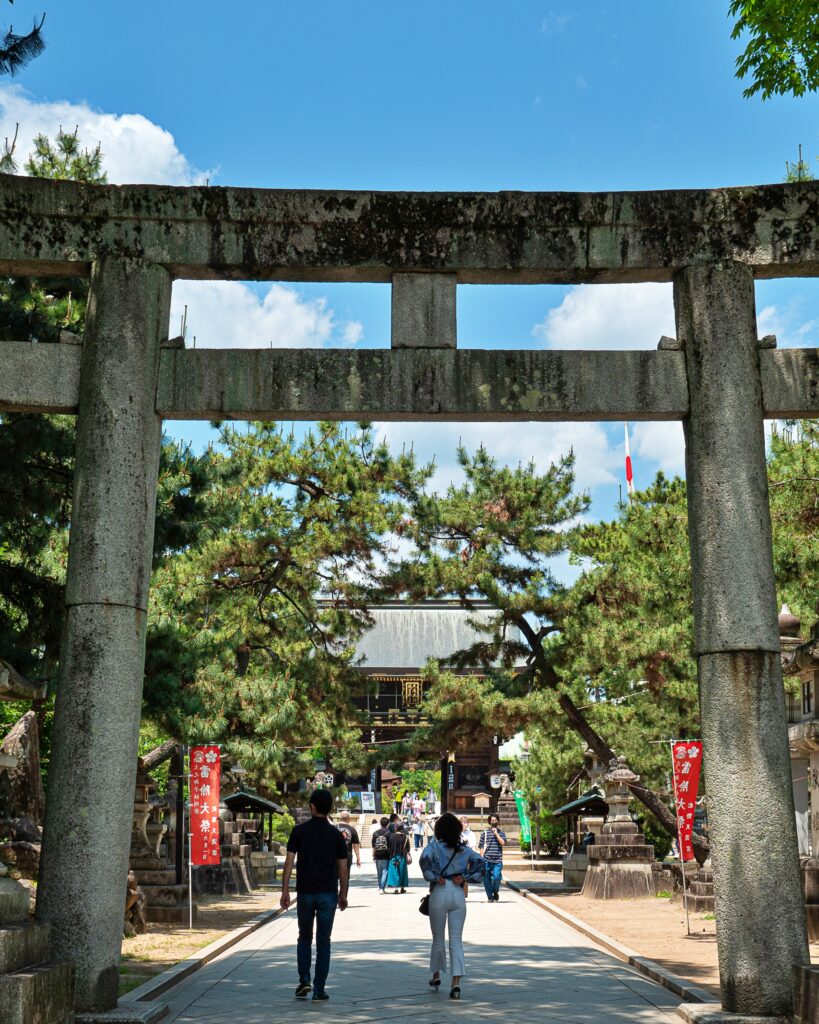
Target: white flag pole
{"points": [[629, 468], [679, 840]]}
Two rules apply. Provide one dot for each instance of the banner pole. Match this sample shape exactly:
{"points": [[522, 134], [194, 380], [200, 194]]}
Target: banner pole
{"points": [[190, 850], [679, 839]]}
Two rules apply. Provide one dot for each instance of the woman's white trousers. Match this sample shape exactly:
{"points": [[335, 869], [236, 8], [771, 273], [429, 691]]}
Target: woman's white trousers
{"points": [[447, 912]]}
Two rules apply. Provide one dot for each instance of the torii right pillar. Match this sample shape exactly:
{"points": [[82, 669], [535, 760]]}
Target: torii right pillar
{"points": [[760, 916]]}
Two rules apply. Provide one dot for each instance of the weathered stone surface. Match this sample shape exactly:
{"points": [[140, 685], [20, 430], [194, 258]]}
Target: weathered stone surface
{"points": [[471, 384], [423, 311], [806, 995], [36, 995], [21, 787], [39, 377], [486, 237], [746, 758], [712, 1013], [716, 321], [117, 432], [96, 726], [14, 902], [489, 385], [22, 945], [129, 1013]]}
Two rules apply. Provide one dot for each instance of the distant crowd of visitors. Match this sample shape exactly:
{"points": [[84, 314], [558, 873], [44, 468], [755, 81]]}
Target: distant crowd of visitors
{"points": [[323, 855]]}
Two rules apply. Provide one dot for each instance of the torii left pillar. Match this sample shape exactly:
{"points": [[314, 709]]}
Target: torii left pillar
{"points": [[89, 808]]}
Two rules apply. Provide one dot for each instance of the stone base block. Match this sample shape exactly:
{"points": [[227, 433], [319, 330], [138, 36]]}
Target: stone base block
{"points": [[44, 994], [619, 881], [701, 904], [170, 915], [14, 902], [21, 945], [713, 1013], [806, 995], [126, 1013]]}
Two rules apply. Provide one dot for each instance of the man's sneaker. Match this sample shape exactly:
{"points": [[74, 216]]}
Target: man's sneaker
{"points": [[320, 996], [303, 989]]}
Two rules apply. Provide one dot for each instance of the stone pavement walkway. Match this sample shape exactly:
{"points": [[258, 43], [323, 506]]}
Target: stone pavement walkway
{"points": [[521, 965]]}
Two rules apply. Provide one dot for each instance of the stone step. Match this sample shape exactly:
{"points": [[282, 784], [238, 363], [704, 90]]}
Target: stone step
{"points": [[44, 994], [170, 915], [705, 875], [152, 877], [22, 945], [701, 904], [165, 895], [701, 888]]}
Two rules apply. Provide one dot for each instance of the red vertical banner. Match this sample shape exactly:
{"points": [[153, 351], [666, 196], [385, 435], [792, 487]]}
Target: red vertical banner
{"points": [[687, 758], [205, 774]]}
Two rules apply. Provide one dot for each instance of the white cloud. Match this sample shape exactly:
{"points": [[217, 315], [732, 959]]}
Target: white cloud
{"points": [[662, 443], [790, 329], [229, 314], [609, 316], [596, 460], [134, 149]]}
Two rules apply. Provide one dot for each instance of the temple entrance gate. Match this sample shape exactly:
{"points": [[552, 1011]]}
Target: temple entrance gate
{"points": [[716, 376]]}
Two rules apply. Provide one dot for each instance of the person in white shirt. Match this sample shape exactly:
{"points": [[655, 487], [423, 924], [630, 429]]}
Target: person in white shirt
{"points": [[468, 837]]}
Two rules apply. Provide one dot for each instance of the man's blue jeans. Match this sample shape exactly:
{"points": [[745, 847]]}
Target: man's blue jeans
{"points": [[321, 907], [492, 878], [382, 867]]}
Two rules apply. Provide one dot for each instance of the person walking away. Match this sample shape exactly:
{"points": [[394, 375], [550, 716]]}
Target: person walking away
{"points": [[381, 853], [351, 839], [418, 833], [447, 864], [397, 875], [492, 842], [322, 877]]}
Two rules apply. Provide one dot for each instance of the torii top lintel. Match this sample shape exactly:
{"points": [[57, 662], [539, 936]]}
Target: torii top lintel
{"points": [[481, 237]]}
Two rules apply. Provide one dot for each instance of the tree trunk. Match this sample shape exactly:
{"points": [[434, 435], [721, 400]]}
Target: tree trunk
{"points": [[158, 755]]}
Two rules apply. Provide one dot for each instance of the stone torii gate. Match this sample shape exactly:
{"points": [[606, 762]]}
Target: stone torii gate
{"points": [[716, 377]]}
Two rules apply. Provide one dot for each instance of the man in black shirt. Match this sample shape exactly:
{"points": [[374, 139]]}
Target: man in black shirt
{"points": [[322, 878], [381, 853]]}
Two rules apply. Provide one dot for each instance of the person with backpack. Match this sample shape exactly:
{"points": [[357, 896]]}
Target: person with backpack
{"points": [[351, 839], [381, 853]]}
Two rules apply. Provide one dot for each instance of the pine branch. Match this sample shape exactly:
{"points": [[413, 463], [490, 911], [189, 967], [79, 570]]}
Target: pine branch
{"points": [[16, 51]]}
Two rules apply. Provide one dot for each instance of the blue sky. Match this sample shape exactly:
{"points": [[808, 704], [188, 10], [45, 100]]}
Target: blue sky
{"points": [[448, 95]]}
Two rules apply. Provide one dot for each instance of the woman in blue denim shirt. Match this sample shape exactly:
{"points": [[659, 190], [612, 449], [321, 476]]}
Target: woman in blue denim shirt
{"points": [[447, 864]]}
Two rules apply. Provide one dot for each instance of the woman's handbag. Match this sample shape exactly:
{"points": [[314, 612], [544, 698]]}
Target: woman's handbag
{"points": [[424, 906]]}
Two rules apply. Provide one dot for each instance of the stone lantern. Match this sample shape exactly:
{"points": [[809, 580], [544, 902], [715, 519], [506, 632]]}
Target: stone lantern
{"points": [[620, 861]]}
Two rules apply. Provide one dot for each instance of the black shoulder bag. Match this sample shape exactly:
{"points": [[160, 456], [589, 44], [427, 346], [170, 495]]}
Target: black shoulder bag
{"points": [[424, 907]]}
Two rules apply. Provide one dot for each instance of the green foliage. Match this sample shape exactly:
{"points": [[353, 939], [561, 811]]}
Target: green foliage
{"points": [[252, 633], [17, 50], [65, 160], [799, 170], [655, 835], [419, 780], [282, 827], [782, 51]]}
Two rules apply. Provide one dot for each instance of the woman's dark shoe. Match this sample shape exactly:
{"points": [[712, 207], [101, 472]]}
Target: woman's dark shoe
{"points": [[455, 993], [435, 983]]}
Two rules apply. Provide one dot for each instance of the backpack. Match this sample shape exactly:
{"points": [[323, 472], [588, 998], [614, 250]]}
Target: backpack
{"points": [[381, 848]]}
